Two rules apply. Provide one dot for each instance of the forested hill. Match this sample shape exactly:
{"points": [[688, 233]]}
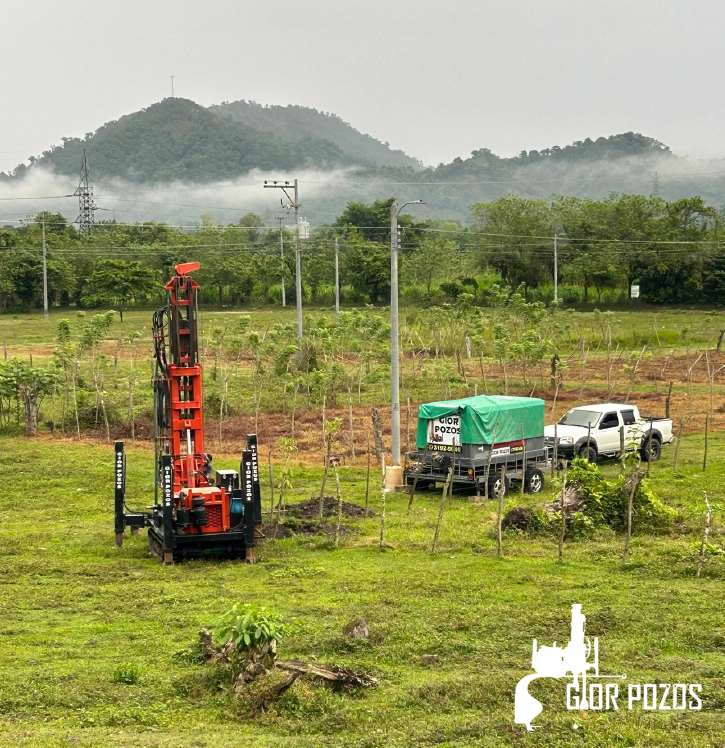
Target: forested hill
{"points": [[294, 123], [177, 139]]}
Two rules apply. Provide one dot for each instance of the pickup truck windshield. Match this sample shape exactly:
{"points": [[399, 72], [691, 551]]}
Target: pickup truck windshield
{"points": [[580, 418]]}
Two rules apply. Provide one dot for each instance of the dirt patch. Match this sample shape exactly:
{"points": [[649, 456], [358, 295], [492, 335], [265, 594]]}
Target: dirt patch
{"points": [[303, 519], [310, 509]]}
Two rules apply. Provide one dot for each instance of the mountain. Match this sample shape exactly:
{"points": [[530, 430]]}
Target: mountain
{"points": [[177, 139], [298, 122]]}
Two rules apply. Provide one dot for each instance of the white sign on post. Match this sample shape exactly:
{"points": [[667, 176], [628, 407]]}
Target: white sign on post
{"points": [[635, 291], [444, 433]]}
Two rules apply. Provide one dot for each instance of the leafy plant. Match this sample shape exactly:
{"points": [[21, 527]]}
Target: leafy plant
{"points": [[125, 673], [250, 626], [606, 501]]}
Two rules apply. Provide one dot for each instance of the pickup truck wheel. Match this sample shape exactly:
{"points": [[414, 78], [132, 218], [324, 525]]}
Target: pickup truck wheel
{"points": [[656, 450], [496, 485], [533, 480], [591, 456]]}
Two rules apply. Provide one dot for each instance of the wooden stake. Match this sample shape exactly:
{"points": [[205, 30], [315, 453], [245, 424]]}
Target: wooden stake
{"points": [[488, 461], [677, 444], [415, 479], [446, 489], [630, 503], [563, 519], [407, 425], [589, 439], [523, 461], [705, 533], [382, 507], [339, 505], [555, 467], [367, 476], [668, 401], [707, 430], [649, 445], [328, 447], [352, 432], [501, 492], [271, 480]]}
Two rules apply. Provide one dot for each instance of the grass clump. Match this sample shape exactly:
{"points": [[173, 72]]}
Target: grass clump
{"points": [[125, 673]]}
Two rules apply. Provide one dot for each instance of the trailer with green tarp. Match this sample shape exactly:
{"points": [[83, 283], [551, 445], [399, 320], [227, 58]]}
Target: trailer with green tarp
{"points": [[485, 441]]}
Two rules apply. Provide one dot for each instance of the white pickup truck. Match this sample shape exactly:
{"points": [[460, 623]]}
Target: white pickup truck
{"points": [[606, 420]]}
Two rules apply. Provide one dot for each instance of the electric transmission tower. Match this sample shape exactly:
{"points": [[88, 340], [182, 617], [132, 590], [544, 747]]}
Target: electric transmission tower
{"points": [[85, 200]]}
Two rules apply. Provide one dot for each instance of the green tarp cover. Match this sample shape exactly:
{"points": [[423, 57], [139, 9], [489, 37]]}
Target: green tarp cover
{"points": [[479, 416]]}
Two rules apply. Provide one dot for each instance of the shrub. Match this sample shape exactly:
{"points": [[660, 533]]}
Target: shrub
{"points": [[250, 626], [125, 673], [606, 501]]}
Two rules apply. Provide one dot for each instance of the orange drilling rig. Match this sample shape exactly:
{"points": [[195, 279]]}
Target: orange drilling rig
{"points": [[194, 512]]}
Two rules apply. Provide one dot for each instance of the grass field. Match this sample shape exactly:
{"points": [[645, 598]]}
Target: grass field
{"points": [[73, 607]]}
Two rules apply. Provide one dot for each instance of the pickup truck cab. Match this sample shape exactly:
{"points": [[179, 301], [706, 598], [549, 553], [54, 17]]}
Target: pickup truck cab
{"points": [[603, 423]]}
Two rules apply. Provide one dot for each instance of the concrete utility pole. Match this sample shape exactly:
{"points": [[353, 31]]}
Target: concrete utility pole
{"points": [[556, 268], [281, 254], [293, 203], [394, 351], [45, 276], [337, 279]]}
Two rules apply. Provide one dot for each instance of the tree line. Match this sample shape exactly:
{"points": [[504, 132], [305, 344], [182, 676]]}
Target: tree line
{"points": [[672, 249]]}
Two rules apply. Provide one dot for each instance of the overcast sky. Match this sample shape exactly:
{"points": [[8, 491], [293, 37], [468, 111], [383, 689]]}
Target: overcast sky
{"points": [[437, 79]]}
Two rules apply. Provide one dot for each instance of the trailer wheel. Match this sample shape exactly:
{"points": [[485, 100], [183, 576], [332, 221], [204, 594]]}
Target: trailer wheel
{"points": [[655, 452], [496, 485], [533, 480]]}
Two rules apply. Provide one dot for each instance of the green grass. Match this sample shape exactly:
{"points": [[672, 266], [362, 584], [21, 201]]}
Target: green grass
{"points": [[74, 610]]}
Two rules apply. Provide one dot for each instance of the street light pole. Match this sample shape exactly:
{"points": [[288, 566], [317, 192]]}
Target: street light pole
{"points": [[394, 342]]}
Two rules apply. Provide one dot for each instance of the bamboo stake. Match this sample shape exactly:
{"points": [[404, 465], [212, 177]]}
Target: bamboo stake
{"points": [[488, 461], [563, 519], [407, 426], [501, 492], [382, 506], [649, 445], [707, 430], [621, 450], [589, 439], [415, 479], [630, 503], [328, 447], [367, 476], [339, 505], [706, 532], [523, 461], [555, 467], [271, 481], [677, 444], [446, 489]]}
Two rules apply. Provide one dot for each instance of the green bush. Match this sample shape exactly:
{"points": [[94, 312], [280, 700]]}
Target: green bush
{"points": [[250, 625], [606, 501], [125, 673]]}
